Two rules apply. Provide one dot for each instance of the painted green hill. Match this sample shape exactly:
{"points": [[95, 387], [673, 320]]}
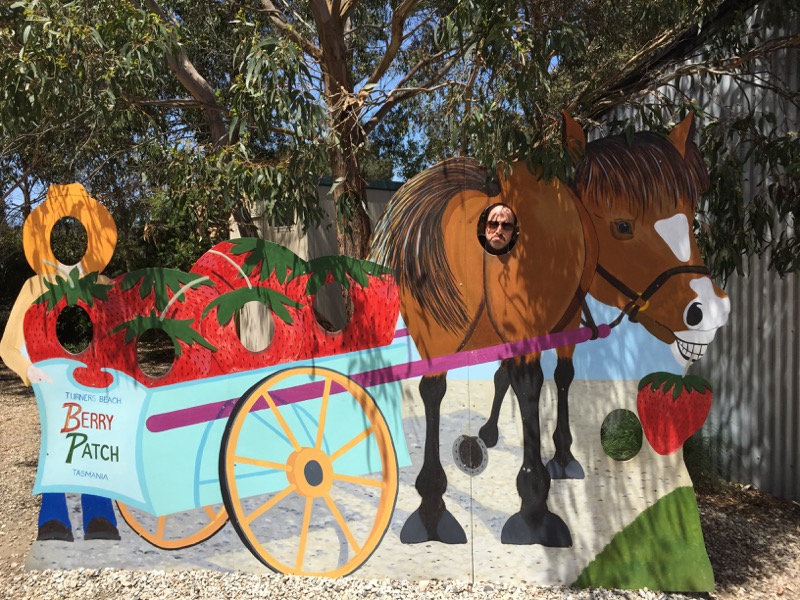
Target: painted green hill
{"points": [[662, 549]]}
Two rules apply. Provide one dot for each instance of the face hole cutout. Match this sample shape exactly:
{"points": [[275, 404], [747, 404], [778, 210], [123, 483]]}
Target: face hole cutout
{"points": [[333, 307], [155, 352], [255, 326], [69, 241], [498, 229], [74, 329], [621, 435]]}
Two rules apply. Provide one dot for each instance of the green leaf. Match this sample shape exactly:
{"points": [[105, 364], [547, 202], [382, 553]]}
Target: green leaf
{"points": [[73, 288], [271, 257], [176, 329], [340, 267], [159, 281], [232, 302]]}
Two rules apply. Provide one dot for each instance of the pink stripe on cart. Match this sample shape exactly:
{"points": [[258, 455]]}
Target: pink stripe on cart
{"points": [[308, 391]]}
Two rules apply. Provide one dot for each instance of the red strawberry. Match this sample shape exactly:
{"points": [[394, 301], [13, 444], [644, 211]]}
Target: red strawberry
{"points": [[41, 341], [253, 270], [164, 299], [672, 408], [122, 305], [376, 304]]}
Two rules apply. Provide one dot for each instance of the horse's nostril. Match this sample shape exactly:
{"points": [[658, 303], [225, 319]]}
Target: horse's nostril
{"points": [[694, 314]]}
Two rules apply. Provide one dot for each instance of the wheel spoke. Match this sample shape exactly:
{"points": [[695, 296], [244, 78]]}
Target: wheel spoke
{"points": [[340, 520], [377, 483], [257, 462], [210, 512], [280, 419], [323, 412], [301, 546], [162, 523], [269, 504], [352, 443]]}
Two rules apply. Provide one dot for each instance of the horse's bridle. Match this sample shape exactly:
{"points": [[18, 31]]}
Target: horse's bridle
{"points": [[639, 301]]}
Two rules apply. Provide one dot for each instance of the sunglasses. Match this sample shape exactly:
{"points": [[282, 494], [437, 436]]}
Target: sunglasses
{"points": [[495, 224]]}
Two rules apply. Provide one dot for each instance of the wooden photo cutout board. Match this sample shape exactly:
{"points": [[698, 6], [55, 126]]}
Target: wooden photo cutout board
{"points": [[468, 441]]}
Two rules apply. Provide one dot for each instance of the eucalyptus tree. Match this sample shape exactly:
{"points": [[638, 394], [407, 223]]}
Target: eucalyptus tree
{"points": [[225, 105]]}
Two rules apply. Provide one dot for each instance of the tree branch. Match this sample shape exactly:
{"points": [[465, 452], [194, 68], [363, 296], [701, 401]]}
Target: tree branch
{"points": [[658, 56], [191, 80], [726, 67], [397, 26], [277, 20], [399, 93]]}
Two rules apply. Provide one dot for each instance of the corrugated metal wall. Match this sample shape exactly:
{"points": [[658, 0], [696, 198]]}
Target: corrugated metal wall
{"points": [[754, 368], [754, 363]]}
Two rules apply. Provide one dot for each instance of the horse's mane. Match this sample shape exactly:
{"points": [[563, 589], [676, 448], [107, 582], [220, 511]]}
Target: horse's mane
{"points": [[408, 238], [646, 174]]}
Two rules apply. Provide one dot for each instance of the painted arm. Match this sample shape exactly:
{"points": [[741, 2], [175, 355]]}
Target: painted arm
{"points": [[14, 336]]}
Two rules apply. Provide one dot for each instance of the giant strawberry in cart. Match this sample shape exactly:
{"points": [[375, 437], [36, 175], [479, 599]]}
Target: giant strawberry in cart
{"points": [[41, 319], [251, 270], [166, 300]]}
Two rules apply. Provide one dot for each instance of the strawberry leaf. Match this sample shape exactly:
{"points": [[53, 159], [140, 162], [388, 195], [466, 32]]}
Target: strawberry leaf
{"points": [[232, 302], [270, 257], [176, 329], [697, 383], [340, 267], [159, 281], [73, 288]]}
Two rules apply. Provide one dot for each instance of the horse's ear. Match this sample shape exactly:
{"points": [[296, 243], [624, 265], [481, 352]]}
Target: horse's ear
{"points": [[682, 133], [574, 137]]}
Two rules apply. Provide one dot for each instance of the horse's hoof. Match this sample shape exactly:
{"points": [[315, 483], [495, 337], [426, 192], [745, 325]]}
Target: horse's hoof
{"points": [[552, 532], [572, 470], [448, 530], [489, 434]]}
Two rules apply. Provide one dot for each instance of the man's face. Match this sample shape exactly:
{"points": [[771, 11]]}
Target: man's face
{"points": [[500, 227]]}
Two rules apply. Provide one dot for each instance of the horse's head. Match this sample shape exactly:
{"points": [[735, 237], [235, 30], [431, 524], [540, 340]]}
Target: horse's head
{"points": [[640, 195]]}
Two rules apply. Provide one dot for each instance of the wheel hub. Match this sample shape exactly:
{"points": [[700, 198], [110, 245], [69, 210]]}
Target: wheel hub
{"points": [[310, 471]]}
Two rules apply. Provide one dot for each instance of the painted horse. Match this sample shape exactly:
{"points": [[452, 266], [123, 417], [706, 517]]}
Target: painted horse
{"points": [[621, 231]]}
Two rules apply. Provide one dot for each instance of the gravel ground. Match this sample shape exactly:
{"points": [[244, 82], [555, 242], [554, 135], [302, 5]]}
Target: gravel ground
{"points": [[753, 541]]}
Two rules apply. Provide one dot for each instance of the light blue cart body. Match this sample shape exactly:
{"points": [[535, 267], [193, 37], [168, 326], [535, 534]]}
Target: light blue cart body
{"points": [[177, 469]]}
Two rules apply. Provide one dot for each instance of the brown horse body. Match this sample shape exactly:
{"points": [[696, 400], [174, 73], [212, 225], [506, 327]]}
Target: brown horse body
{"points": [[617, 232], [501, 301]]}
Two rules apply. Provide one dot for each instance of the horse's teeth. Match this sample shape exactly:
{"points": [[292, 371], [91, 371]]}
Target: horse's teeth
{"points": [[691, 351]]}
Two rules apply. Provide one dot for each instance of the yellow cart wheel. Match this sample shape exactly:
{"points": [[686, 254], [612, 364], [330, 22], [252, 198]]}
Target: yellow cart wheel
{"points": [[176, 531], [309, 496]]}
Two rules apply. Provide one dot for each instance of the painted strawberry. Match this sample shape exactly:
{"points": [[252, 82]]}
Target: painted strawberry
{"points": [[375, 301], [672, 408], [41, 341], [168, 300], [251, 270], [236, 263]]}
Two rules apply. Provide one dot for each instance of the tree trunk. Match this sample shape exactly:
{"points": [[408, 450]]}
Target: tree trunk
{"points": [[353, 228]]}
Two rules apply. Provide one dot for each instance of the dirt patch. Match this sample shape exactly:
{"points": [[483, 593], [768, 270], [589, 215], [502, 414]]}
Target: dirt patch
{"points": [[19, 454]]}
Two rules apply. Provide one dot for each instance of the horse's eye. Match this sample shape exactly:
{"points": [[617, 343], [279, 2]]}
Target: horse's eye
{"points": [[622, 229]]}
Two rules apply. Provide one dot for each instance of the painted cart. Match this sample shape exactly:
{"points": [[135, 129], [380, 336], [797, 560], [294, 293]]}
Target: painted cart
{"points": [[304, 463]]}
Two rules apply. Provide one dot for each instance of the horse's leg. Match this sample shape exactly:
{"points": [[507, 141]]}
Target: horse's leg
{"points": [[564, 465], [534, 523], [489, 433], [432, 521]]}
